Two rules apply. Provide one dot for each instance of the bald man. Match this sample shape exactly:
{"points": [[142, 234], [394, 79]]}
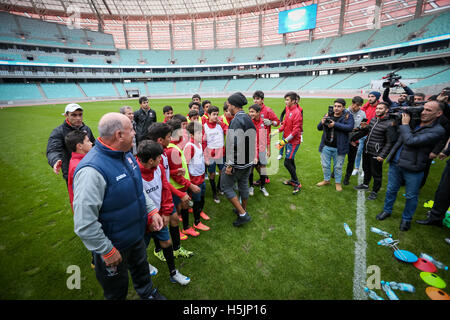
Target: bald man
{"points": [[112, 212], [408, 159]]}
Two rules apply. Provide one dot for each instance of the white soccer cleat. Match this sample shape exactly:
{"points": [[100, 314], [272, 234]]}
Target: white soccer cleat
{"points": [[264, 191], [250, 191], [179, 278], [153, 270]]}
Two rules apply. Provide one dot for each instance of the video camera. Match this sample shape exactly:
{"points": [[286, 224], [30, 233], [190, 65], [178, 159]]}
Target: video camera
{"points": [[414, 111], [330, 115], [391, 80]]}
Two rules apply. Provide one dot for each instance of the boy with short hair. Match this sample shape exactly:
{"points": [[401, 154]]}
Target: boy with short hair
{"points": [[156, 186], [78, 143], [205, 105], [262, 147], [162, 133], [168, 113], [227, 116], [184, 121], [193, 116], [214, 132], [269, 118], [177, 165], [193, 152], [194, 106], [292, 127]]}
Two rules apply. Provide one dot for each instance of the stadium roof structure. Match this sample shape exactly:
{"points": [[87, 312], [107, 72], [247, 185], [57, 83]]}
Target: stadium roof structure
{"points": [[218, 24], [149, 8]]}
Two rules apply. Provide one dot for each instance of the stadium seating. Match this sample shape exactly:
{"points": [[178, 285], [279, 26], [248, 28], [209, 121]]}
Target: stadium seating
{"points": [[213, 86], [239, 85], [61, 90], [160, 87], [187, 86], [98, 89], [435, 79], [19, 91], [293, 83]]}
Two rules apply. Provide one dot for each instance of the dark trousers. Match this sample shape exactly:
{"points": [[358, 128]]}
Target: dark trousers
{"points": [[442, 195], [372, 169], [115, 283], [351, 156]]}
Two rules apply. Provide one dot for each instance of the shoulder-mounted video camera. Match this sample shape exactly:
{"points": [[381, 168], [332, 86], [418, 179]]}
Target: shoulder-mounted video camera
{"points": [[391, 80]]}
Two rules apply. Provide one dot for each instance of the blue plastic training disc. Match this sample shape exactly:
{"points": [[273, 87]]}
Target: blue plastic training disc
{"points": [[405, 256]]}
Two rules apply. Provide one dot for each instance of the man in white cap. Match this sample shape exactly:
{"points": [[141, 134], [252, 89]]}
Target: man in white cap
{"points": [[58, 155]]}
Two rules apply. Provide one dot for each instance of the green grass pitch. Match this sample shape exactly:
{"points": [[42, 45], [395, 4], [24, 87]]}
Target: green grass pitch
{"points": [[295, 247]]}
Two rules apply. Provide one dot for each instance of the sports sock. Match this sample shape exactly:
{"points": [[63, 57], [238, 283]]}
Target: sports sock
{"points": [[196, 209], [202, 203], [157, 245], [185, 216], [212, 182], [175, 235], [168, 254], [262, 178], [290, 166]]}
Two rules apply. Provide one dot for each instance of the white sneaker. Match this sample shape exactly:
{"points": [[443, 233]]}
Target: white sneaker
{"points": [[250, 191], [355, 172], [153, 270], [181, 279], [279, 157], [264, 191]]}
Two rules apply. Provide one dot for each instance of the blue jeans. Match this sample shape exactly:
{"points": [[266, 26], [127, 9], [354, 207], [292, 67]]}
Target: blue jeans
{"points": [[359, 152], [412, 187], [326, 155]]}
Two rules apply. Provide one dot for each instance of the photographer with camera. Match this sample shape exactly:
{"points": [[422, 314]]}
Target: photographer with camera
{"points": [[336, 126], [392, 81], [376, 148], [408, 159]]}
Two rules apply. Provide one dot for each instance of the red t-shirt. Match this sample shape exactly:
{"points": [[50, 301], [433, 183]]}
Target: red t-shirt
{"points": [[74, 161]]}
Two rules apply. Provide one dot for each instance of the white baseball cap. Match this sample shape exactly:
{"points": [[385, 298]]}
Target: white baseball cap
{"points": [[71, 107]]}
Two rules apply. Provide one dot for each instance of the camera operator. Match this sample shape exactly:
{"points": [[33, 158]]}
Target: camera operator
{"points": [[336, 125], [376, 148], [408, 158], [402, 100]]}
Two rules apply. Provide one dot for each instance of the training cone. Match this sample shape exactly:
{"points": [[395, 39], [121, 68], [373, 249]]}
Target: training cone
{"points": [[425, 265], [433, 280], [436, 294], [405, 256]]}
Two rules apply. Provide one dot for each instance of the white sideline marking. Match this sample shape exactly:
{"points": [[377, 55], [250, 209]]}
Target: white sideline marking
{"points": [[359, 275]]}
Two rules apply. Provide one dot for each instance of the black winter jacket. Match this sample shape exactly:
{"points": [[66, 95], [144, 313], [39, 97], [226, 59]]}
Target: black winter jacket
{"points": [[56, 146], [143, 121], [417, 145], [377, 142]]}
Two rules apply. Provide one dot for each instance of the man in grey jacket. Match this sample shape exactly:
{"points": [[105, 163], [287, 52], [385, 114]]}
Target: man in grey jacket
{"points": [[112, 211]]}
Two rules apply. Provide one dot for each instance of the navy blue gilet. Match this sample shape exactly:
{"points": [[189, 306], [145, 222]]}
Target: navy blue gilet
{"points": [[123, 214]]}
